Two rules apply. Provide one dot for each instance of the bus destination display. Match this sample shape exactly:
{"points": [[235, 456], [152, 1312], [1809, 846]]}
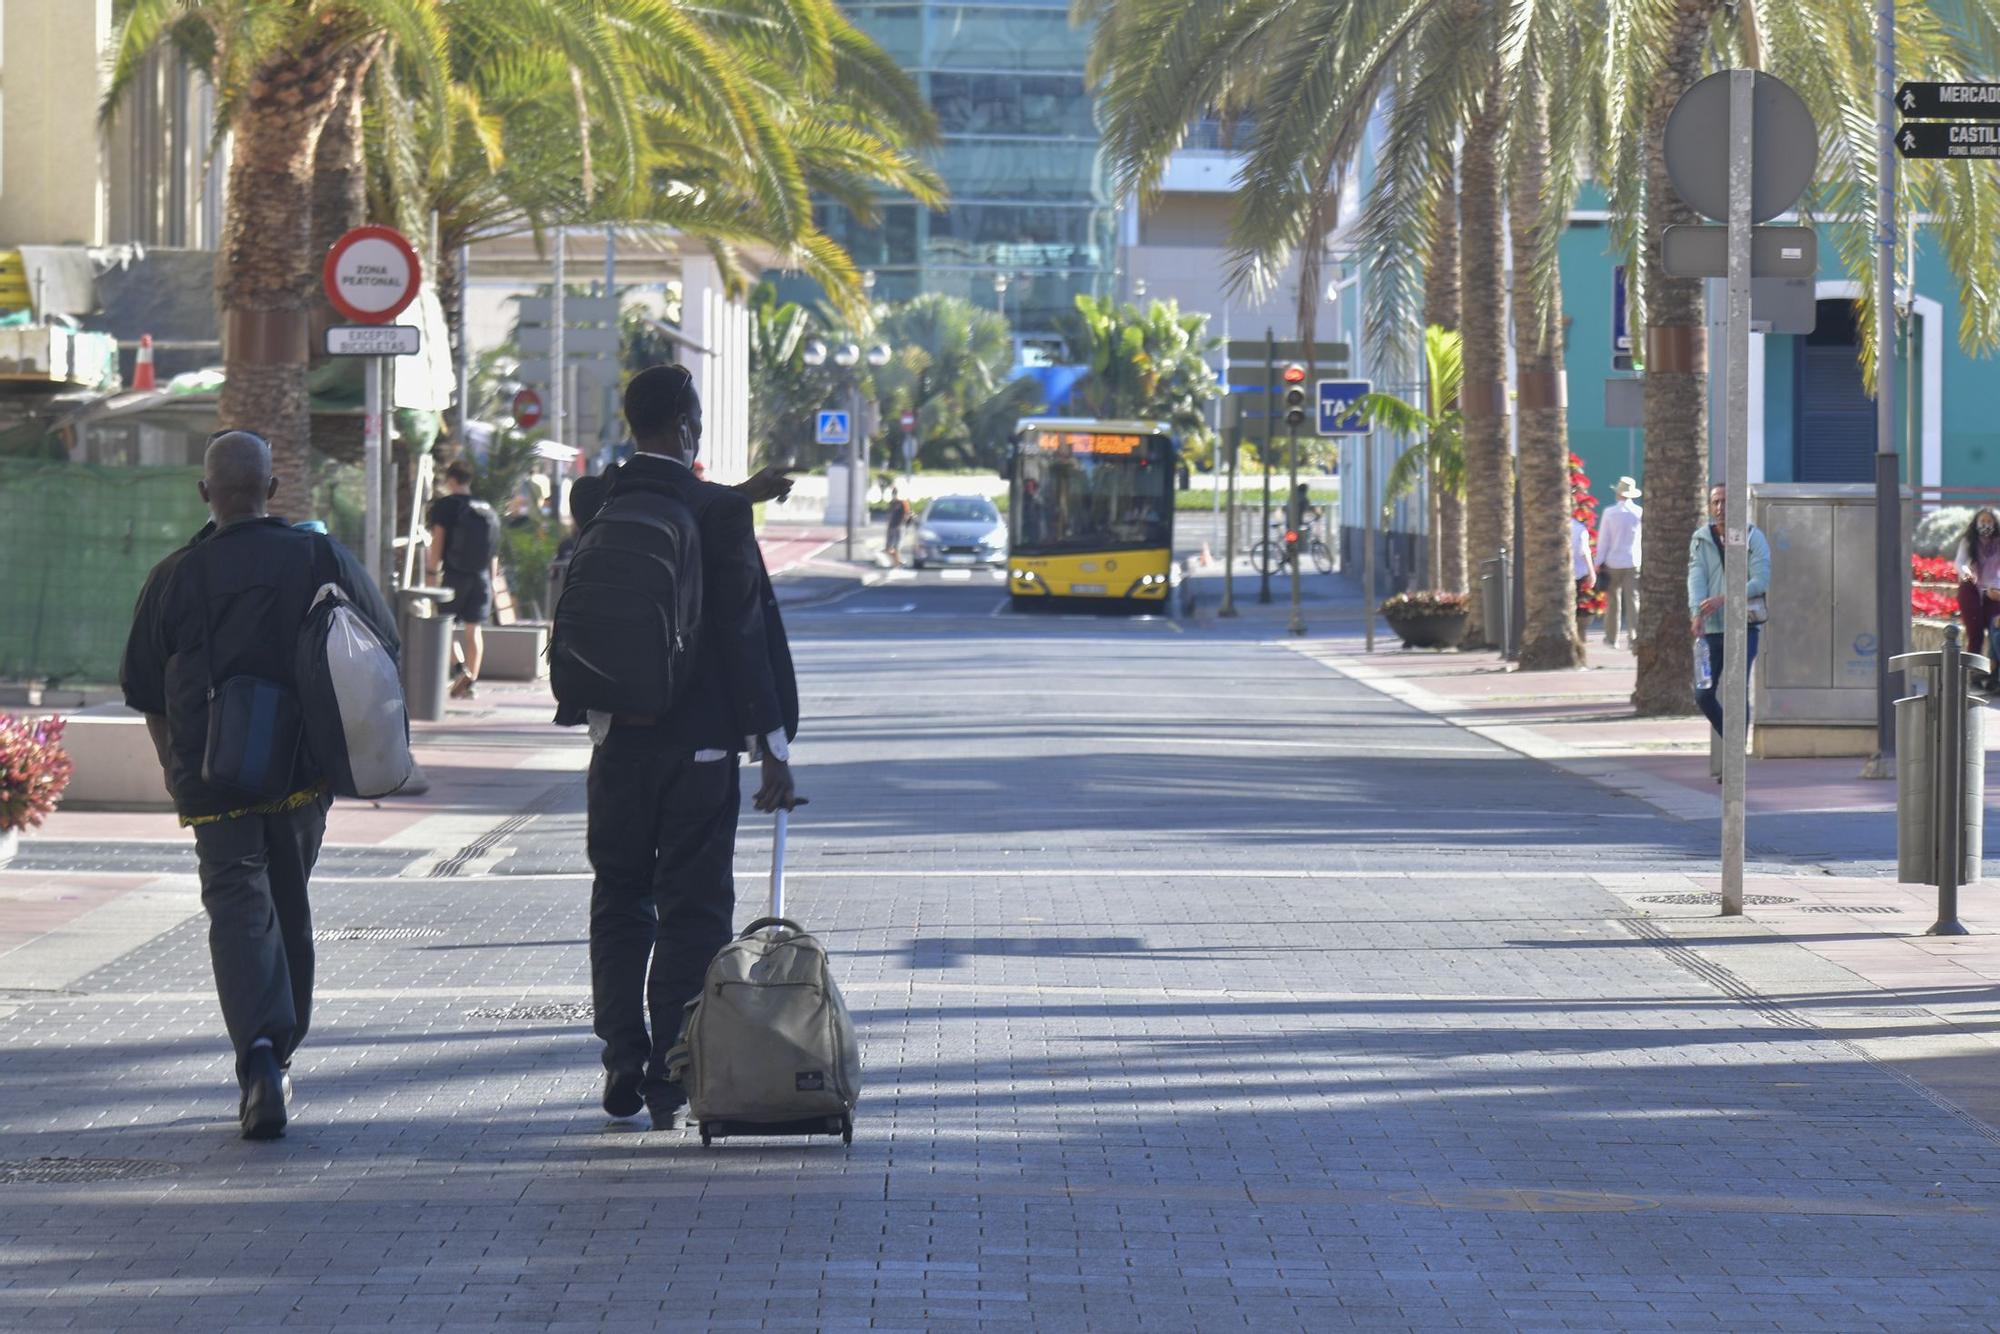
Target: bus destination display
{"points": [[1087, 442]]}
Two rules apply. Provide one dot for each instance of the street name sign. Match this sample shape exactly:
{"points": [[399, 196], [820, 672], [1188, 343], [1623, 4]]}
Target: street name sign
{"points": [[831, 428], [371, 274], [373, 340], [1953, 101], [1947, 139], [1697, 251], [1336, 407], [1241, 351]]}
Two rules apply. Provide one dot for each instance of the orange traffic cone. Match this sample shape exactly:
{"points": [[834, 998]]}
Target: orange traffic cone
{"points": [[142, 371]]}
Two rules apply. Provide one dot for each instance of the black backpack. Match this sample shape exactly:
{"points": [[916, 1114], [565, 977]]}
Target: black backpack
{"points": [[473, 540], [623, 639]]}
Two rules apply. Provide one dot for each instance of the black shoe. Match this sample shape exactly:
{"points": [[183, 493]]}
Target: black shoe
{"points": [[621, 1093], [664, 1105], [262, 1112]]}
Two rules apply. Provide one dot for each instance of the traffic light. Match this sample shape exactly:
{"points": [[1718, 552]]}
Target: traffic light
{"points": [[1295, 393]]}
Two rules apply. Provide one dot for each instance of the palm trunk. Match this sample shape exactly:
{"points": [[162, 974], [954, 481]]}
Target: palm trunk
{"points": [[1489, 508], [1549, 638], [268, 270], [1676, 402], [1447, 508]]}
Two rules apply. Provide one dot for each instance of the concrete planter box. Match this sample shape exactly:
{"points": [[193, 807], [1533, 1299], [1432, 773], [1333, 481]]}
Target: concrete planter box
{"points": [[114, 767], [514, 652]]}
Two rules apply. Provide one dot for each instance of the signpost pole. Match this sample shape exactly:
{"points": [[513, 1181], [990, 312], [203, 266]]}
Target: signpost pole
{"points": [[371, 471], [1235, 444], [1264, 459], [1892, 572], [1368, 543], [1296, 546], [1736, 521], [558, 322]]}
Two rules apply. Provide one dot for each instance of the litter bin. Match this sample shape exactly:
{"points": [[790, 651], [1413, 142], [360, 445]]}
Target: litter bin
{"points": [[426, 651], [1918, 732]]}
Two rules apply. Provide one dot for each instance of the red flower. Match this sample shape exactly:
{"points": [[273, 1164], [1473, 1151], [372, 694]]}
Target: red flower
{"points": [[33, 770]]}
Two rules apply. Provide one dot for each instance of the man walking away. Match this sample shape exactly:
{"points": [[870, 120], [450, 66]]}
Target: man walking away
{"points": [[230, 604], [465, 551], [663, 790], [1705, 598], [1618, 543]]}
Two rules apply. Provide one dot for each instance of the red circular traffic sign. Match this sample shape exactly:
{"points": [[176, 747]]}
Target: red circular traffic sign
{"points": [[527, 409], [371, 274], [909, 421]]}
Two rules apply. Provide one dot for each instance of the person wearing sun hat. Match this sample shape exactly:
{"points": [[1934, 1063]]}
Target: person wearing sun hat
{"points": [[1618, 535]]}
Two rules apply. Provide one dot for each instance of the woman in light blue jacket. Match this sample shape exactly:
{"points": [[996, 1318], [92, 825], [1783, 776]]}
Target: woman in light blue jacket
{"points": [[1705, 599]]}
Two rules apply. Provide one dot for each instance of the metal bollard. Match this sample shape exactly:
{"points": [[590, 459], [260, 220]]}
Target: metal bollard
{"points": [[1940, 776], [1496, 600]]}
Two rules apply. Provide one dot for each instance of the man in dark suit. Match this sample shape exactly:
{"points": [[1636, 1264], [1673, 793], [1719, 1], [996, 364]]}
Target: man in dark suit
{"points": [[663, 791]]}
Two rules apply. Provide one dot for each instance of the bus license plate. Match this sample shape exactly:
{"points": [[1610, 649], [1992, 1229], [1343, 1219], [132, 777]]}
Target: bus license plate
{"points": [[1086, 588]]}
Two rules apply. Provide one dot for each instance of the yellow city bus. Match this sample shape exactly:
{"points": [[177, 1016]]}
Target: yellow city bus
{"points": [[1090, 511]]}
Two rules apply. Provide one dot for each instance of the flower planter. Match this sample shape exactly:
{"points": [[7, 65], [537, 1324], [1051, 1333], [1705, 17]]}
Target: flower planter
{"points": [[10, 843], [1429, 629]]}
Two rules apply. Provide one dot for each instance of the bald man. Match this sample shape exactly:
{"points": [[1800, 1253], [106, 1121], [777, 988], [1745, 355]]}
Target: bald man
{"points": [[230, 603]]}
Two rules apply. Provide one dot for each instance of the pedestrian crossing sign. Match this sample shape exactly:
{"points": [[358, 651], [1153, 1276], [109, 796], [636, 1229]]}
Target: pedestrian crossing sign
{"points": [[832, 428]]}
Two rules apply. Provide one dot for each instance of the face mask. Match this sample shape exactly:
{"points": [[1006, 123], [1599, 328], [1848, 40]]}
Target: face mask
{"points": [[1986, 527]]}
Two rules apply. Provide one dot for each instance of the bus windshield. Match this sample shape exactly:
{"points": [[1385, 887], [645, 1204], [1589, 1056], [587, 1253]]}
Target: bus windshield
{"points": [[1092, 491]]}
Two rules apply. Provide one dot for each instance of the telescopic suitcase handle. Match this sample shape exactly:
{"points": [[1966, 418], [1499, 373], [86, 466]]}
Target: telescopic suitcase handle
{"points": [[778, 865]]}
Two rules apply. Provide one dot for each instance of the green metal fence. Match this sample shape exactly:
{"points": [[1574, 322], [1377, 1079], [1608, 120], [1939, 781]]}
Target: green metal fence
{"points": [[75, 545]]}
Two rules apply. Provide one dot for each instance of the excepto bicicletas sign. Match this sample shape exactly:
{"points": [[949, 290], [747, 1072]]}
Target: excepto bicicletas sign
{"points": [[371, 274]]}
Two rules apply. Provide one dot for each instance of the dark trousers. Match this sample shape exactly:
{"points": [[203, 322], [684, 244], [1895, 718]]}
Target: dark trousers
{"points": [[253, 883], [1975, 609], [662, 839], [1709, 700]]}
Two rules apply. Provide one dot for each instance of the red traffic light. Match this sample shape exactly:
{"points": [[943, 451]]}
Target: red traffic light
{"points": [[1294, 373]]}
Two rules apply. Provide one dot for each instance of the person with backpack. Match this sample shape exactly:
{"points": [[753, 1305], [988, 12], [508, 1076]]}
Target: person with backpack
{"points": [[218, 623], [667, 642], [465, 553]]}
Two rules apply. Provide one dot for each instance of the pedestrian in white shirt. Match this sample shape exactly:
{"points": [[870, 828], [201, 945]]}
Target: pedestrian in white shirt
{"points": [[1618, 552], [1583, 568]]}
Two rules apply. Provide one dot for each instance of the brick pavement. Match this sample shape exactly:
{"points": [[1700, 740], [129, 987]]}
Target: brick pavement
{"points": [[1200, 988]]}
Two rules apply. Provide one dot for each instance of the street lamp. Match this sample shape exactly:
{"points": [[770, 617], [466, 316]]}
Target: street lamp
{"points": [[1000, 293], [878, 355], [1138, 289], [814, 354], [868, 283]]}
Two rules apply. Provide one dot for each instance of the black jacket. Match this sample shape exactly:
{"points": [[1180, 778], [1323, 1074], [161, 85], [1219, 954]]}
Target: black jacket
{"points": [[743, 684], [261, 576]]}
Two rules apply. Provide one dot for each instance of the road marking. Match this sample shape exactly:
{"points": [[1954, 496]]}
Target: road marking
{"points": [[955, 576], [880, 611]]}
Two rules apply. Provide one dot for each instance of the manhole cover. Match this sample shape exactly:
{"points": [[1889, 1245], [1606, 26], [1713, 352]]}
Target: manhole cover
{"points": [[1849, 907], [562, 1011], [79, 1171], [379, 933], [1504, 1200], [1757, 900]]}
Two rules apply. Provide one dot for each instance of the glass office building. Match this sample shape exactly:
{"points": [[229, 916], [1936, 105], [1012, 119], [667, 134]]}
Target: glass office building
{"points": [[1018, 151]]}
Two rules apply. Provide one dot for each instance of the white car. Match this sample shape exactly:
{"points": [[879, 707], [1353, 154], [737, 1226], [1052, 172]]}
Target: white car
{"points": [[960, 530]]}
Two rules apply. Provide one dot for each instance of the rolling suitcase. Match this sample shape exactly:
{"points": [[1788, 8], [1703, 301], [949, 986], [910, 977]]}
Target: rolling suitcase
{"points": [[768, 1047]]}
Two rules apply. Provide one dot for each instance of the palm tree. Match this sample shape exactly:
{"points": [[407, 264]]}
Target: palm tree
{"points": [[1438, 454], [282, 68], [1149, 363], [950, 365], [1658, 49]]}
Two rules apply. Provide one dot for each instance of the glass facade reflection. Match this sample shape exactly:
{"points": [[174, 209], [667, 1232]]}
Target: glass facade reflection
{"points": [[1018, 150]]}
